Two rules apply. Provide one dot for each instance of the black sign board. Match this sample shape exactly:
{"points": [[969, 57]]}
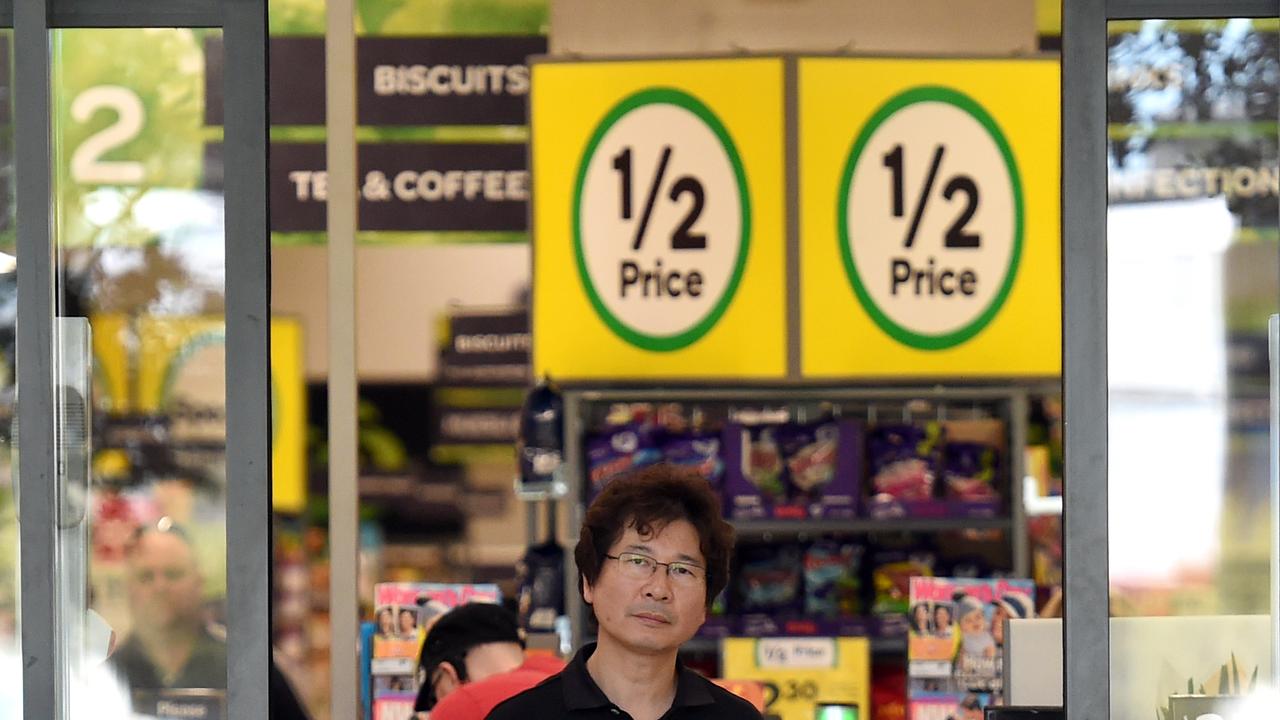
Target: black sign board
{"points": [[445, 187], [445, 81], [401, 80], [477, 426], [295, 83], [490, 349]]}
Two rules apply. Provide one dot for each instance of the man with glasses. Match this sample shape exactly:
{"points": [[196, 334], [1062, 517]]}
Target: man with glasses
{"points": [[473, 659], [652, 555]]}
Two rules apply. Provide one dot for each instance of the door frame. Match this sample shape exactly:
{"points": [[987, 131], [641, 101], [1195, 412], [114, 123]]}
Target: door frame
{"points": [[247, 253]]}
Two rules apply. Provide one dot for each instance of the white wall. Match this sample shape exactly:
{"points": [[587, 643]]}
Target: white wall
{"points": [[401, 290], [654, 27]]}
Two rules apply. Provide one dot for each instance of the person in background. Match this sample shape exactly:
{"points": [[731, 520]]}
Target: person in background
{"points": [[942, 620], [386, 622], [408, 622], [171, 646], [919, 615], [473, 659], [652, 555]]}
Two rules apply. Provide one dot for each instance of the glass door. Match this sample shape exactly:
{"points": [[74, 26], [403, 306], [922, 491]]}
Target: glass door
{"points": [[1193, 271], [1171, 271], [10, 630], [144, 475], [139, 224]]}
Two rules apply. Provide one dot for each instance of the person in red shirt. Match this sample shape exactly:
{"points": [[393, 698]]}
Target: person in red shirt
{"points": [[473, 659]]}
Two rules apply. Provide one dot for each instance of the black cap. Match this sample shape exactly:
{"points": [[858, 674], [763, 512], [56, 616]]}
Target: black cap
{"points": [[457, 632]]}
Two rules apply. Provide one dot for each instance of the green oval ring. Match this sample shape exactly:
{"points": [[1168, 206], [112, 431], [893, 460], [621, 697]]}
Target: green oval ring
{"points": [[645, 341], [957, 99]]}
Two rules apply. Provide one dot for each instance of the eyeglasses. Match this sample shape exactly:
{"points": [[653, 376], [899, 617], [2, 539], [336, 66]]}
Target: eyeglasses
{"points": [[635, 566]]}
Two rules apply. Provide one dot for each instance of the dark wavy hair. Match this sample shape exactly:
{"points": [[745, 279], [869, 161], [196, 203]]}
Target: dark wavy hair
{"points": [[648, 500]]}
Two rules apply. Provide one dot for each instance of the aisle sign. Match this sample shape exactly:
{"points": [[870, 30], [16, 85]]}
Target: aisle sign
{"points": [[658, 219], [929, 217], [800, 674]]}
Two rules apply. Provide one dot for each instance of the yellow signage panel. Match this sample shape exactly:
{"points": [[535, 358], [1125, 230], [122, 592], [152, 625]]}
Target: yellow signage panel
{"points": [[658, 219], [929, 218], [801, 675], [112, 338], [288, 416], [182, 373]]}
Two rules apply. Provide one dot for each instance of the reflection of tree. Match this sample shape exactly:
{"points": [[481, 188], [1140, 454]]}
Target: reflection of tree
{"points": [[1219, 71], [152, 279], [1189, 94], [1258, 211]]}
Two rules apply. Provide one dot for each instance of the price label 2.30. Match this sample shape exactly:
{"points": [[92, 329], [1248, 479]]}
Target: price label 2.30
{"points": [[662, 219], [931, 218]]}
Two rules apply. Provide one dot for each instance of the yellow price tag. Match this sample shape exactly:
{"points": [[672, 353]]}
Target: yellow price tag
{"points": [[800, 675]]}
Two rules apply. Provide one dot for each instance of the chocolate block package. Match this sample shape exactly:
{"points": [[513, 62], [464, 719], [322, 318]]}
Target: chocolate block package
{"points": [[833, 579], [754, 482], [904, 460], [769, 579], [824, 466], [618, 451], [697, 451], [793, 471]]}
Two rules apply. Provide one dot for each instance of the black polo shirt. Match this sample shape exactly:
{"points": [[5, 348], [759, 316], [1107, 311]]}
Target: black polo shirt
{"points": [[573, 694]]}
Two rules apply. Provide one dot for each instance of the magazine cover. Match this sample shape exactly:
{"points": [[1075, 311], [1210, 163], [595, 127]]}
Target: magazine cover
{"points": [[403, 612], [955, 643]]}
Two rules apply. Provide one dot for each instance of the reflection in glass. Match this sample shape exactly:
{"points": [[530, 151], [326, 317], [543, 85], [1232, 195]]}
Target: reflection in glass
{"points": [[1193, 274], [10, 639], [139, 234]]}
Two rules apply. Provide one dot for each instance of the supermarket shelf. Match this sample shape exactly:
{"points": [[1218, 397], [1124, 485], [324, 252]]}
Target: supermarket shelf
{"points": [[1009, 402], [880, 646], [756, 529]]}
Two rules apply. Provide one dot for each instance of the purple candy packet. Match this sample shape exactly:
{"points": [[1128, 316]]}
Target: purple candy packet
{"points": [[903, 460], [698, 451], [769, 578], [762, 463], [810, 454], [970, 471], [618, 451], [832, 579]]}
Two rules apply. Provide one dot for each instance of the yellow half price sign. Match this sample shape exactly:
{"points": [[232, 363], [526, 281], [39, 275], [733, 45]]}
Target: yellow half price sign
{"points": [[929, 218], [658, 219]]}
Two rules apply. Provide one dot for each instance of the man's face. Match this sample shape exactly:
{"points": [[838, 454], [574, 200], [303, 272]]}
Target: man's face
{"points": [[407, 622], [656, 614], [922, 616], [164, 584], [942, 617]]}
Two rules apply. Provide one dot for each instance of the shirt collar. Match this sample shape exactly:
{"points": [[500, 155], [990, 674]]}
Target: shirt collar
{"points": [[582, 693]]}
